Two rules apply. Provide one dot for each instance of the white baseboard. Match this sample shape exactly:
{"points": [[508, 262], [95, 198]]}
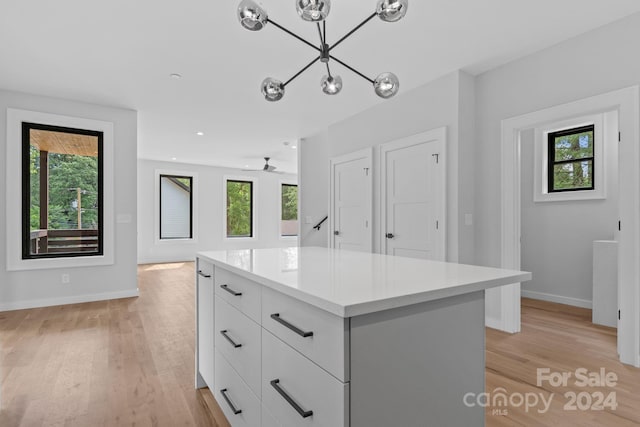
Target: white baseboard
{"points": [[162, 260], [576, 302], [76, 299]]}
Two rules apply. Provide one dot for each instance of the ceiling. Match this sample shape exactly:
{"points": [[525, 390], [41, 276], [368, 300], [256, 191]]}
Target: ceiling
{"points": [[121, 53]]}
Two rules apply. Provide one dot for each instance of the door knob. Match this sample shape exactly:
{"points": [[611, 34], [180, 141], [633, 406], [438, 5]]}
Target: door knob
{"points": [[389, 235], [336, 233]]}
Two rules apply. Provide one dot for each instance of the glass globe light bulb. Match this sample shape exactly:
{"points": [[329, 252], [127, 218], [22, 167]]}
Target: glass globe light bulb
{"points": [[392, 10], [331, 85], [313, 10], [386, 85], [251, 15], [272, 89]]}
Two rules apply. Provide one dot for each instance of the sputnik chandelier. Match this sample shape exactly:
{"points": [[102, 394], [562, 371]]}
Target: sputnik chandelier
{"points": [[254, 18]]}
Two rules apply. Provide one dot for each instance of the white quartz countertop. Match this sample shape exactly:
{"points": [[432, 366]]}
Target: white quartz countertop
{"points": [[348, 283]]}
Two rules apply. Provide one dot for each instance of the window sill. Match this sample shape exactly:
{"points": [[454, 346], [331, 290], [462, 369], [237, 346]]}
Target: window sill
{"points": [[176, 241], [569, 196]]}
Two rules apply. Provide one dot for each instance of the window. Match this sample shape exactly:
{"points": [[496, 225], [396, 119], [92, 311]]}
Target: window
{"points": [[239, 208], [289, 210], [176, 207], [574, 158], [571, 159], [62, 192]]}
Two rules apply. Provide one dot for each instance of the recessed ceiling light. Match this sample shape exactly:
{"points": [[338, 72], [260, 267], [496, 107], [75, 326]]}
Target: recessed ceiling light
{"points": [[293, 147], [174, 158], [200, 133], [175, 76]]}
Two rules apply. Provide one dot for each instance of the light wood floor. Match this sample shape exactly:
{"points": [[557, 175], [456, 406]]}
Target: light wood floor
{"points": [[114, 363], [563, 339], [131, 362]]}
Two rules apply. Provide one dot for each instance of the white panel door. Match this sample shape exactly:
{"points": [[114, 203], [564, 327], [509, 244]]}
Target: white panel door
{"points": [[351, 209], [413, 196]]}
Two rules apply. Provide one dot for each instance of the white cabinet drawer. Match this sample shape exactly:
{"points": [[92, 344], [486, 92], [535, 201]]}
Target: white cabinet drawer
{"points": [[327, 340], [307, 394], [239, 404], [238, 338], [239, 292]]}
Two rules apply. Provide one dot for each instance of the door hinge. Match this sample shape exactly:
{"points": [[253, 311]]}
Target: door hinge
{"points": [[437, 156], [619, 225], [437, 225], [619, 136], [366, 171], [618, 314]]}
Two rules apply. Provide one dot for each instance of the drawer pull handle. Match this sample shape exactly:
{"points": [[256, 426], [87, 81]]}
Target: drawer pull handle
{"points": [[231, 405], [303, 334], [203, 274], [233, 343], [231, 291], [299, 410]]}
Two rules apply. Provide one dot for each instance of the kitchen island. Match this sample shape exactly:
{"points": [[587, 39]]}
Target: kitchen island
{"points": [[324, 337]]}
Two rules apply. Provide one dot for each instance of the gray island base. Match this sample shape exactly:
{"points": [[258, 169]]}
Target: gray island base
{"points": [[323, 337]]}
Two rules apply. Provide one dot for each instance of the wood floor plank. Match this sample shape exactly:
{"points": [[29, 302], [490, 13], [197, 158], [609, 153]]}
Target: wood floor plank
{"points": [[131, 362]]}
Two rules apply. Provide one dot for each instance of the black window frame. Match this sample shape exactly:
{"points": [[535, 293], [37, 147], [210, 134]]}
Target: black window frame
{"points": [[551, 161], [282, 185], [190, 178], [251, 218], [26, 191]]}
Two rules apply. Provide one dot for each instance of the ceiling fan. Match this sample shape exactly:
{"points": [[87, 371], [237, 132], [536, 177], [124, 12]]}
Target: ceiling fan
{"points": [[266, 168]]}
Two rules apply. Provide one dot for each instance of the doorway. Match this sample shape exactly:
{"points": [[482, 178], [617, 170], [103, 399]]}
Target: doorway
{"points": [[625, 102]]}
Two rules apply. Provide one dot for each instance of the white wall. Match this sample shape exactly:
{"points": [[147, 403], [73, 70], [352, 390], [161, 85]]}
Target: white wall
{"points": [[210, 228], [557, 237], [600, 61], [43, 287], [313, 157]]}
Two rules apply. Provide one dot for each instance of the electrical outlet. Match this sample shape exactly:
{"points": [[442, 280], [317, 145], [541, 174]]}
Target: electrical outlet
{"points": [[66, 278], [468, 219]]}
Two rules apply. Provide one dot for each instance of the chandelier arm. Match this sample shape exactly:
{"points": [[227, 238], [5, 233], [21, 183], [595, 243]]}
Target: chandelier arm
{"points": [[294, 35], [369, 18], [352, 69], [324, 30], [320, 34], [301, 71]]}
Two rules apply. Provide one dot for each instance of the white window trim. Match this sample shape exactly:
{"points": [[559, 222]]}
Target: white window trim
{"points": [[254, 199], [15, 262], [280, 184], [541, 166], [194, 206]]}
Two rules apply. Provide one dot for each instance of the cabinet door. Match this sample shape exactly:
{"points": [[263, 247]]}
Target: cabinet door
{"points": [[240, 406], [297, 392], [204, 323]]}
